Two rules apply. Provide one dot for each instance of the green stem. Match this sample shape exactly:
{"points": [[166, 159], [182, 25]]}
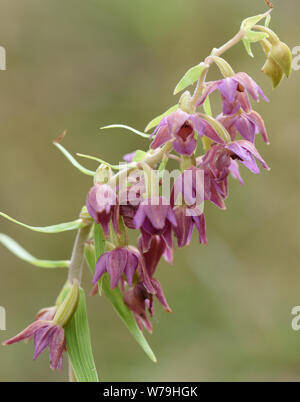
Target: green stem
{"points": [[76, 264], [209, 60]]}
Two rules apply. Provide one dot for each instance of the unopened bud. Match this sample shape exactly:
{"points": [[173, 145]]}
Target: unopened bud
{"points": [[67, 308], [103, 174], [272, 70], [185, 102], [282, 55], [85, 216]]}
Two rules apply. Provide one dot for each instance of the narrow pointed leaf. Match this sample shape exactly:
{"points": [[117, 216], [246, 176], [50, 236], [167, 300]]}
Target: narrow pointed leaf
{"points": [[79, 344], [73, 160], [21, 253], [191, 76], [61, 227], [154, 122], [116, 298], [101, 161], [133, 130]]}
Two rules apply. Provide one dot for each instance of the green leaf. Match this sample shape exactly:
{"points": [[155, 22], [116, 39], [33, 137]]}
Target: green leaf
{"points": [[61, 227], [191, 76], [21, 253], [73, 160], [116, 298], [133, 130], [154, 122], [248, 47], [79, 344]]}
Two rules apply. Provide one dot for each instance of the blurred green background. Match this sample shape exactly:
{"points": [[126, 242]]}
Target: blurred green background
{"points": [[80, 65]]}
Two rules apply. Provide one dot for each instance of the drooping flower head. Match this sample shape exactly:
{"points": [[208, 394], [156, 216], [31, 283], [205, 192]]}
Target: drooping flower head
{"points": [[122, 260], [137, 298], [237, 114], [187, 197], [44, 333], [220, 160], [155, 216], [234, 92], [100, 202], [179, 127]]}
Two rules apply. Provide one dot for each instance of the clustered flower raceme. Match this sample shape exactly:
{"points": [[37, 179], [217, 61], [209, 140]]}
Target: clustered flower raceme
{"points": [[202, 178], [138, 205]]}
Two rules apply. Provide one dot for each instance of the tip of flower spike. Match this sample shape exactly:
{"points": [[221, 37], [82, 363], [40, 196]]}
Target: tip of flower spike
{"points": [[60, 138]]}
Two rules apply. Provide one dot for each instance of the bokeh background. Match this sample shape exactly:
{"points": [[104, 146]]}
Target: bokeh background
{"points": [[80, 65]]}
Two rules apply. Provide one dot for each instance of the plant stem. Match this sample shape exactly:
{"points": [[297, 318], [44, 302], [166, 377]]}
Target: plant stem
{"points": [[76, 264], [208, 61]]}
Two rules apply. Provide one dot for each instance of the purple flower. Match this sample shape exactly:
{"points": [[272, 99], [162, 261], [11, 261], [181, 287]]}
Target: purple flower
{"points": [[185, 225], [45, 333], [122, 260], [155, 216], [131, 197], [179, 127], [187, 196], [156, 250], [100, 202], [138, 299], [234, 92], [220, 160], [247, 124], [237, 114]]}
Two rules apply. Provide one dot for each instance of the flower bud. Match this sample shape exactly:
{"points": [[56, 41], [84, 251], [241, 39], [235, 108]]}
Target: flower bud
{"points": [[272, 70], [85, 216], [67, 308], [281, 55], [103, 174], [185, 102]]}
